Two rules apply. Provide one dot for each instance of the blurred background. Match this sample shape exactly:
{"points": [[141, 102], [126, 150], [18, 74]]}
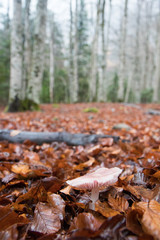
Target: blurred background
{"points": [[79, 51]]}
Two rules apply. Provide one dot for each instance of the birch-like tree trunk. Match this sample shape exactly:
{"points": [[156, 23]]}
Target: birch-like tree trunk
{"points": [[122, 70], [70, 53], [16, 52], [146, 53], [102, 56], [156, 84], [35, 82], [27, 49], [74, 94], [137, 64], [107, 45], [51, 68], [92, 81]]}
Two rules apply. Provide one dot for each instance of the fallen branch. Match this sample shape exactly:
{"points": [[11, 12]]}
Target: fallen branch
{"points": [[16, 136]]}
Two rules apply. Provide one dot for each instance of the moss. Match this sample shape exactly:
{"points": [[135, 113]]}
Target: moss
{"points": [[55, 105], [93, 110], [18, 105]]}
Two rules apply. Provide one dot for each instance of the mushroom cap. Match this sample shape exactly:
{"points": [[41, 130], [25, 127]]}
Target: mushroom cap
{"points": [[100, 177]]}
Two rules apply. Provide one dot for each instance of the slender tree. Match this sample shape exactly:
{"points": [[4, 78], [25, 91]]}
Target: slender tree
{"points": [[71, 53], [137, 64], [35, 82], [92, 81], [27, 48], [52, 58], [107, 46], [122, 66], [16, 52], [102, 55], [75, 58], [156, 82]]}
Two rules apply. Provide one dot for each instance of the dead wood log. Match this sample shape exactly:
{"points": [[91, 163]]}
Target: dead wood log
{"points": [[16, 136]]}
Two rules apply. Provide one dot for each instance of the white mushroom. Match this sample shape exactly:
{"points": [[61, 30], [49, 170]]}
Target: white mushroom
{"points": [[93, 181]]}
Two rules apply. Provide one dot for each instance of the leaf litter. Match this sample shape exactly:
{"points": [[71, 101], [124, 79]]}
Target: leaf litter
{"points": [[37, 203]]}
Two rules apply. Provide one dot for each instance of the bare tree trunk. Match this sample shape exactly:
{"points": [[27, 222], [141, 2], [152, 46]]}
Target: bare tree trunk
{"points": [[27, 49], [144, 80], [102, 56], [74, 80], [35, 83], [92, 81], [156, 85], [122, 70], [51, 72], [16, 52], [71, 53], [107, 45], [136, 78]]}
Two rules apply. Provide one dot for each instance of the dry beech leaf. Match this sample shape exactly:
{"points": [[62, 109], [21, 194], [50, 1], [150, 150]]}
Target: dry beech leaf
{"points": [[133, 219], [35, 194], [58, 203], [66, 190], [87, 221], [10, 233], [94, 150], [88, 163], [132, 190], [147, 193], [45, 219], [107, 142], [9, 218], [105, 209], [151, 219], [156, 175], [118, 203], [20, 168], [14, 133]]}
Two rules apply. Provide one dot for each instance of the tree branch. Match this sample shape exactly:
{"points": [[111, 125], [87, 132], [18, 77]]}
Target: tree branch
{"points": [[17, 136]]}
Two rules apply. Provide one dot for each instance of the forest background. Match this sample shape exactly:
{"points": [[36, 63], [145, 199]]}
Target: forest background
{"points": [[79, 51]]}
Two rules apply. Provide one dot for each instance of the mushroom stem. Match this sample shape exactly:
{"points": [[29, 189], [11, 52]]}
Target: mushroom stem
{"points": [[94, 197]]}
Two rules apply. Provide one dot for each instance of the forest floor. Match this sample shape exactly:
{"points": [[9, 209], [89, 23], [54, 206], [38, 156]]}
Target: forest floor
{"points": [[37, 203]]}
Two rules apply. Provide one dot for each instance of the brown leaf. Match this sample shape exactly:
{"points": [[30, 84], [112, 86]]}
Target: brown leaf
{"points": [[35, 194], [118, 203], [133, 219], [57, 202], [9, 218], [20, 168], [106, 142], [94, 150], [51, 184], [151, 219], [14, 133], [87, 221], [147, 193], [105, 209], [45, 219], [10, 233], [88, 163]]}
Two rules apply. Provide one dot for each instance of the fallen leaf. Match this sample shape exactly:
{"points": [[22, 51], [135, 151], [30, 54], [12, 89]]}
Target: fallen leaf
{"points": [[13, 133], [105, 209], [87, 221], [118, 203], [45, 220], [9, 233], [133, 219], [151, 219], [94, 150], [86, 164], [9, 218], [20, 168], [58, 203]]}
